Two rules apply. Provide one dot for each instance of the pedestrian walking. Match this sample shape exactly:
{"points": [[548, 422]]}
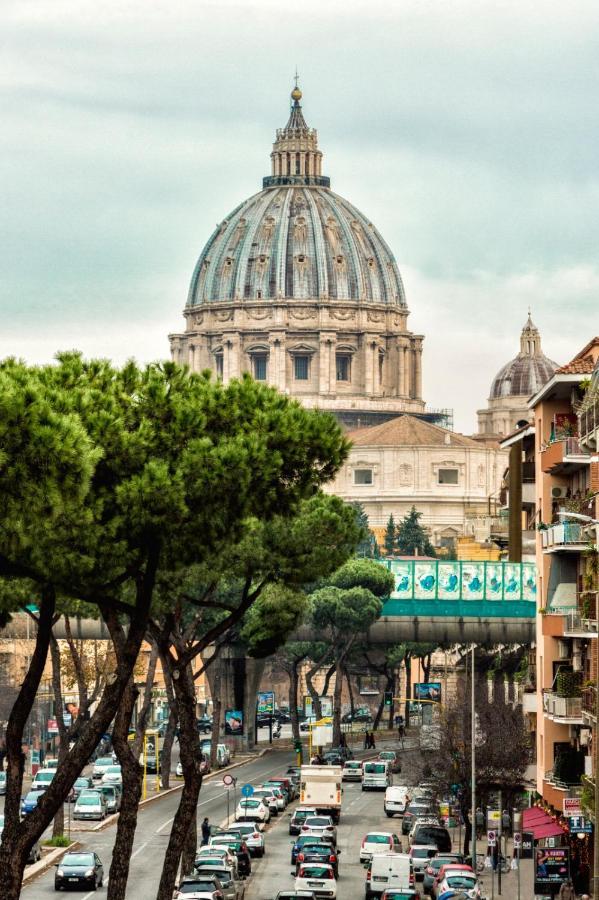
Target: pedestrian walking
{"points": [[372, 741], [506, 822], [480, 823], [205, 831], [567, 892], [366, 739]]}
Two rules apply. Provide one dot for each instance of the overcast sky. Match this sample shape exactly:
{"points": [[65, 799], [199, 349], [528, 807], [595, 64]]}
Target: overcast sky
{"points": [[467, 132]]}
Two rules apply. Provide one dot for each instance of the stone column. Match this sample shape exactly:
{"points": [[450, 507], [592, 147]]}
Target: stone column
{"points": [[231, 357], [276, 373], [418, 370], [370, 373], [191, 356], [326, 363], [407, 366]]}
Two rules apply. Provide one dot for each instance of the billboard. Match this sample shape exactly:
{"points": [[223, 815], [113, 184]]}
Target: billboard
{"points": [[552, 867], [265, 703], [428, 690], [233, 721], [422, 579]]}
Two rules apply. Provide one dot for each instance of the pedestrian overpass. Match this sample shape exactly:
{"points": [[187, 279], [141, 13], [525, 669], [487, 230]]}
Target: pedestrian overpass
{"points": [[458, 602]]}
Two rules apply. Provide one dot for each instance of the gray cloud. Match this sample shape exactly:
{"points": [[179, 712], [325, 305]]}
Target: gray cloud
{"points": [[468, 134]]}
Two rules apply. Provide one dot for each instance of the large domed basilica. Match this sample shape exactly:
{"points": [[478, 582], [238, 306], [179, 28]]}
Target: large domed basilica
{"points": [[297, 287]]}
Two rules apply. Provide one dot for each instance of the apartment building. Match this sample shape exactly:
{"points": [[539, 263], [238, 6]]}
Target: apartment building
{"points": [[567, 480]]}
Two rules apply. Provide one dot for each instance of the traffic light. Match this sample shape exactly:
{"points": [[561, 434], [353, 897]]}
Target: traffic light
{"points": [[298, 747], [388, 698]]}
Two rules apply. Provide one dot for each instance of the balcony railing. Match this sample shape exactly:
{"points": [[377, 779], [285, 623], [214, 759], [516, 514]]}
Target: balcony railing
{"points": [[576, 625], [563, 454], [589, 701], [565, 536], [588, 426], [565, 710], [572, 789]]}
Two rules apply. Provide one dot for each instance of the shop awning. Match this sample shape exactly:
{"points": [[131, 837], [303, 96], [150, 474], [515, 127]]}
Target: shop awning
{"points": [[541, 824]]}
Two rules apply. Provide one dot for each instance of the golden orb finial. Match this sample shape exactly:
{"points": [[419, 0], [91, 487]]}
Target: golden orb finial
{"points": [[296, 94]]}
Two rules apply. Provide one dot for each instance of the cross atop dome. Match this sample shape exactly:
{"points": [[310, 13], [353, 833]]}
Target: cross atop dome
{"points": [[295, 157]]}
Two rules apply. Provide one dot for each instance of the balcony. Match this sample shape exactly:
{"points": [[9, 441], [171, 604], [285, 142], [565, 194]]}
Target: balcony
{"points": [[588, 425], [562, 710], [589, 704], [564, 456], [577, 626], [565, 537]]}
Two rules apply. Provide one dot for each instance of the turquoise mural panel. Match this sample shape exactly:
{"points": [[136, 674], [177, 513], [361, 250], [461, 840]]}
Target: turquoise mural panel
{"points": [[425, 580], [512, 581], [473, 580], [494, 581], [448, 574], [529, 581], [403, 572]]}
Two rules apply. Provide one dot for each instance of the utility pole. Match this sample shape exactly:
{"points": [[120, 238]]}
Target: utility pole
{"points": [[473, 764], [499, 831]]}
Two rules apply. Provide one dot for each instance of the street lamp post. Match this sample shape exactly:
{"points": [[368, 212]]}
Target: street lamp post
{"points": [[473, 763], [588, 520]]}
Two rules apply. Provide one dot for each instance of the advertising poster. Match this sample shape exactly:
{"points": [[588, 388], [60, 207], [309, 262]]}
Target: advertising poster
{"points": [[428, 690], [448, 574], [529, 581], [494, 590], [552, 867], [265, 703], [473, 581], [233, 721], [512, 587], [425, 580], [402, 572]]}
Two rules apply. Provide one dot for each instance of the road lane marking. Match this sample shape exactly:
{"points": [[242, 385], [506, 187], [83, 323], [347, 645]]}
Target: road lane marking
{"points": [[133, 855]]}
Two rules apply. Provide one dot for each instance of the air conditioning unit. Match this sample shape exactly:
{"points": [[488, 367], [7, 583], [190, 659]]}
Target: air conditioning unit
{"points": [[563, 650], [558, 492]]}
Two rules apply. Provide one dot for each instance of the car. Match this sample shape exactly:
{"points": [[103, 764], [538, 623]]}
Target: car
{"points": [[463, 881], [396, 800], [282, 716], [319, 852], [376, 775], [294, 773], [427, 833], [352, 770], [318, 878], [333, 758], [401, 894], [304, 839], [386, 872], [319, 825], [231, 887], [271, 796], [83, 783], [286, 785], [112, 796], [298, 818], [251, 833], [42, 779], [237, 846], [307, 723], [2, 782], [204, 766], [252, 809], [204, 724], [149, 762], [360, 715], [90, 805], [222, 852], [434, 865], [295, 895], [112, 775], [422, 820], [202, 887], [378, 842], [414, 810], [29, 801], [81, 868], [444, 870], [100, 766], [51, 763], [223, 755], [420, 855], [392, 757]]}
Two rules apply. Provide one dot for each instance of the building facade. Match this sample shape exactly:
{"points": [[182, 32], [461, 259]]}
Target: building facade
{"points": [[452, 480], [507, 406], [298, 288]]}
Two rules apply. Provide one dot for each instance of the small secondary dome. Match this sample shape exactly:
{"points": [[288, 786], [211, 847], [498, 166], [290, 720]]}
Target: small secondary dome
{"points": [[528, 371]]}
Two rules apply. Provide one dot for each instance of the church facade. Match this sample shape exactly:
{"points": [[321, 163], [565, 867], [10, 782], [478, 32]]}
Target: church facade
{"points": [[298, 288]]}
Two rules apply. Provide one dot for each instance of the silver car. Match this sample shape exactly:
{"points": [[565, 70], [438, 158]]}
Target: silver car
{"points": [[232, 888], [252, 834]]}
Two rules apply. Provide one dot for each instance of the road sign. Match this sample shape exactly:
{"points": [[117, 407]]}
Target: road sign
{"points": [[228, 780], [491, 838], [247, 790], [572, 806], [580, 825], [517, 840]]}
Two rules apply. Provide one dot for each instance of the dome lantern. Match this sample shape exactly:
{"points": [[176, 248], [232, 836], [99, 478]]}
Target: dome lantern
{"points": [[295, 157]]}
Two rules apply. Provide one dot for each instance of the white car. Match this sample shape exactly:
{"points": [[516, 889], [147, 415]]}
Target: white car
{"points": [[378, 842], [279, 795], [42, 779], [318, 878], [466, 883], [420, 854], [90, 805], [251, 833], [112, 775], [319, 825], [218, 851], [269, 797], [100, 766], [196, 887], [396, 800], [252, 810], [352, 770]]}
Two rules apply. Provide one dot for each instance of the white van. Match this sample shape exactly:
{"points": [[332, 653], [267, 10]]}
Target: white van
{"points": [[386, 872], [396, 800], [376, 775]]}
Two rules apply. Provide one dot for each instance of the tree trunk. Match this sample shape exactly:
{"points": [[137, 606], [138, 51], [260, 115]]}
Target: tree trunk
{"points": [[316, 704], [350, 689], [392, 688], [250, 695], [217, 706], [63, 732], [132, 785], [426, 667], [293, 698], [337, 704], [408, 667], [19, 836], [184, 687], [381, 706], [167, 747]]}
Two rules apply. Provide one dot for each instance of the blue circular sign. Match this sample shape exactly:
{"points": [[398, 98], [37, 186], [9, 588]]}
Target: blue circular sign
{"points": [[247, 790]]}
